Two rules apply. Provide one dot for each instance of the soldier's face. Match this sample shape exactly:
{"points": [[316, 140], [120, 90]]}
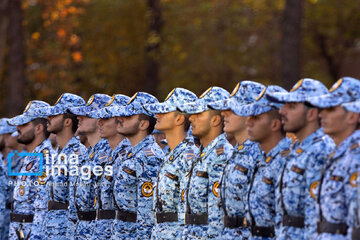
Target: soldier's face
{"points": [[259, 127], [334, 120], [87, 125], [233, 123], [200, 124], [165, 121], [128, 126], [26, 133], [107, 127], [55, 123], [293, 117]]}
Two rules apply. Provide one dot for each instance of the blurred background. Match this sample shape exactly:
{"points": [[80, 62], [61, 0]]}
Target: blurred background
{"points": [[122, 46]]}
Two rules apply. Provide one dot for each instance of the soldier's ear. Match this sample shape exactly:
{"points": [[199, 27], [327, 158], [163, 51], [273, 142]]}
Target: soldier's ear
{"points": [[216, 120], [353, 118], [312, 114], [39, 128], [68, 122], [179, 119], [144, 124]]}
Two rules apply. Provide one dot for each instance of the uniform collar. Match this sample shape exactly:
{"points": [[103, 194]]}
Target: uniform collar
{"points": [[179, 148], [147, 141], [282, 145], [204, 152], [344, 146], [44, 144]]}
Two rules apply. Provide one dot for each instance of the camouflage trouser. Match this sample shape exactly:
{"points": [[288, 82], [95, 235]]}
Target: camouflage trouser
{"points": [[236, 233], [144, 231], [18, 230], [195, 232], [167, 231], [56, 224], [84, 230], [329, 236], [290, 233], [102, 229], [4, 223], [37, 229], [124, 230]]}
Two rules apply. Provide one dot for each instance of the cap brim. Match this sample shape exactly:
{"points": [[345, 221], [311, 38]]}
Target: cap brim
{"points": [[80, 111], [221, 105], [325, 101], [50, 111], [352, 106], [21, 120], [252, 109], [285, 97], [193, 108], [156, 108], [99, 114]]}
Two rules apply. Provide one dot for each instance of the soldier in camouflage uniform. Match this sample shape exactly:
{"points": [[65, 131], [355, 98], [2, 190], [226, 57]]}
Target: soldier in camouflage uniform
{"points": [[299, 178], [133, 188], [239, 168], [264, 127], [119, 146], [334, 196], [171, 180], [29, 200], [202, 214], [84, 189], [61, 215]]}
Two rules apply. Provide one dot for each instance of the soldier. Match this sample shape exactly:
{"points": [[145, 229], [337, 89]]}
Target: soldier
{"points": [[202, 215], [237, 173], [170, 185], [264, 126], [341, 125], [28, 206], [299, 177], [6, 183], [133, 188], [119, 146], [84, 189], [61, 215]]}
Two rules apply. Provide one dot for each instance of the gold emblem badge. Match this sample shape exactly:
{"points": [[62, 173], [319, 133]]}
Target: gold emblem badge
{"points": [[27, 107], [183, 195], [57, 101], [169, 95], [147, 189], [41, 179], [241, 147], [110, 102], [261, 94], [91, 100], [353, 179], [132, 98], [206, 92], [215, 189], [313, 187], [21, 190]]}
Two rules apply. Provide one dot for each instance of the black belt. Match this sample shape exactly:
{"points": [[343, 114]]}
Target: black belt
{"points": [[86, 216], [105, 214], [21, 218], [355, 235], [126, 216], [334, 228], [292, 221], [162, 217], [53, 205], [196, 219], [8, 205], [235, 222], [262, 231]]}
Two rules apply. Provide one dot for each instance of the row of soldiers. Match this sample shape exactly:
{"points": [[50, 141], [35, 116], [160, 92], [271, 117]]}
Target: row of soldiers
{"points": [[266, 186]]}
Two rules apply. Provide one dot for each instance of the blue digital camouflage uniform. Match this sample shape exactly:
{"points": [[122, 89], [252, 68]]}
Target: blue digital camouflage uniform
{"points": [[261, 198], [61, 216], [299, 178], [239, 168], [133, 188], [84, 189], [202, 214], [28, 190], [169, 189], [335, 193], [104, 183]]}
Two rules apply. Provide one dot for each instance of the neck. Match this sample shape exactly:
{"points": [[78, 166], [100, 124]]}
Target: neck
{"points": [[339, 138], [174, 137], [31, 146], [63, 137], [307, 130], [115, 140], [241, 136], [206, 140], [135, 139], [269, 143], [93, 138]]}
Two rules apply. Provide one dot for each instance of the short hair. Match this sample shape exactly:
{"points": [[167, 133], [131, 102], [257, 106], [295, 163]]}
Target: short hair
{"points": [[43, 122], [74, 120], [218, 113], [152, 122], [186, 120], [274, 114]]}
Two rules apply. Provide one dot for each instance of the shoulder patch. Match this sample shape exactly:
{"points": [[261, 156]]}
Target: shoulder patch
{"points": [[285, 153], [172, 176], [202, 174], [298, 170], [129, 171], [220, 150], [267, 180], [242, 169], [148, 152], [336, 178]]}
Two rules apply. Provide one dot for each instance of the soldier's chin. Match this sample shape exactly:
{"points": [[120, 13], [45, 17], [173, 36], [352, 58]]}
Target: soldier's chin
{"points": [[25, 141]]}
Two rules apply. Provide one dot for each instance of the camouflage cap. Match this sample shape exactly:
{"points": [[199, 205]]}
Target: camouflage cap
{"points": [[108, 110], [95, 102], [176, 97], [244, 92], [61, 106], [135, 105], [5, 127], [346, 89], [261, 104], [212, 94], [301, 91], [30, 113], [352, 106]]}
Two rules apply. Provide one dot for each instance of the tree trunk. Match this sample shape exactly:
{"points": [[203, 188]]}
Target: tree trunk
{"points": [[152, 51], [3, 24], [291, 43], [16, 59]]}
